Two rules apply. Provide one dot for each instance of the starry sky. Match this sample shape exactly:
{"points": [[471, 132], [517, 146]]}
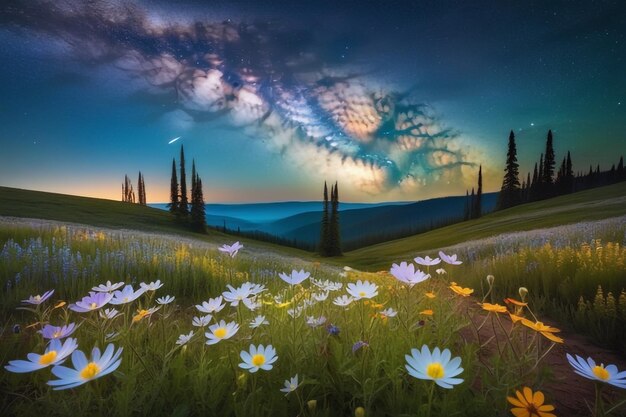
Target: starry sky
{"points": [[397, 100]]}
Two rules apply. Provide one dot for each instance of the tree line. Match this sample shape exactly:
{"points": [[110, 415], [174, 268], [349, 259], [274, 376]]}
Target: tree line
{"points": [[330, 237], [547, 182], [128, 193]]}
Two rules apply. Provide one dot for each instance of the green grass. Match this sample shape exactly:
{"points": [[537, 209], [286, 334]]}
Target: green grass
{"points": [[97, 212], [596, 204]]}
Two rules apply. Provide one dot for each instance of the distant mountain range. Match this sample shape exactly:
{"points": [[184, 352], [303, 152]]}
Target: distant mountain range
{"points": [[361, 223]]}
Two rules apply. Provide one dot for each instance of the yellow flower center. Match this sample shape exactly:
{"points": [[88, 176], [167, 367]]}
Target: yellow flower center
{"points": [[56, 335], [220, 332], [90, 371], [125, 299], [362, 294], [48, 358], [601, 372], [258, 359], [37, 297], [93, 306], [435, 370]]}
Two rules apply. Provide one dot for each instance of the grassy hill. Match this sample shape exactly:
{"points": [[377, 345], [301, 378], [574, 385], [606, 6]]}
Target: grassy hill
{"points": [[595, 204]]}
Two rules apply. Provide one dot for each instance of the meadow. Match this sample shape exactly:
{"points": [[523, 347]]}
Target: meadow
{"points": [[343, 342]]}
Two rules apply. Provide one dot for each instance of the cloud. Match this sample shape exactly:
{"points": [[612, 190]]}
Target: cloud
{"points": [[273, 82]]}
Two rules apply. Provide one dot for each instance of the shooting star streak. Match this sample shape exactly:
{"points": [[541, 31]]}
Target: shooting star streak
{"points": [[173, 140]]}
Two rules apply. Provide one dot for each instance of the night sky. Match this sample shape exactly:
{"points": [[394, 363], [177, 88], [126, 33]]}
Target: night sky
{"points": [[398, 100]]}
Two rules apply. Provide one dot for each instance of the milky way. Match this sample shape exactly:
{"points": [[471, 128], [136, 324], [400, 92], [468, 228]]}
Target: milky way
{"points": [[277, 83]]}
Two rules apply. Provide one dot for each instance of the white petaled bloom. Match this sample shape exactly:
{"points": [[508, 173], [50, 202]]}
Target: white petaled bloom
{"points": [[449, 259], [108, 287], [362, 289], [235, 295], [86, 370], [309, 302], [333, 286], [126, 295], [202, 321], [57, 332], [296, 277], [183, 339], [153, 286], [255, 289], [258, 321], [258, 357], [343, 301], [165, 300], [109, 313], [436, 366], [427, 261], [295, 312], [231, 250], [93, 301], [390, 312], [315, 322], [221, 331], [290, 385], [441, 271], [214, 305], [55, 353], [406, 273], [320, 296], [251, 303], [590, 370], [38, 299]]}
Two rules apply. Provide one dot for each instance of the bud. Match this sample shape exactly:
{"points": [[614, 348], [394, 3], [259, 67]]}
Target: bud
{"points": [[523, 292], [242, 379], [312, 404], [359, 412], [490, 279]]}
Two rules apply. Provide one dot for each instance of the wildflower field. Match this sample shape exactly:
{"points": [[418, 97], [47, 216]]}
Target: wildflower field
{"points": [[116, 323]]}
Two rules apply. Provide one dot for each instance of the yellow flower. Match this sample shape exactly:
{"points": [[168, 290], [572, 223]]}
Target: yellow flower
{"points": [[494, 308], [428, 312], [515, 318], [464, 292], [546, 331], [430, 294], [530, 404], [359, 412], [515, 302], [59, 304], [140, 315]]}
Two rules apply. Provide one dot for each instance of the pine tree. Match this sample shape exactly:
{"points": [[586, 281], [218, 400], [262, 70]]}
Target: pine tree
{"points": [[510, 193], [325, 226], [549, 161], [478, 204], [620, 170], [173, 205], [472, 203], [334, 233], [198, 211], [569, 175], [526, 195], [183, 203]]}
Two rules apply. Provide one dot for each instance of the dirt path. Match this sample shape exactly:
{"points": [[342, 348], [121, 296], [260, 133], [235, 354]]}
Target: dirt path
{"points": [[568, 392]]}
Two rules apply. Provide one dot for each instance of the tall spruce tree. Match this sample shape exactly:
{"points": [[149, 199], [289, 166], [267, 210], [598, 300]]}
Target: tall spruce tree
{"points": [[478, 203], [621, 175], [183, 203], [510, 192], [569, 174], [549, 163], [323, 248], [466, 211], [198, 212], [335, 236], [472, 204], [173, 204]]}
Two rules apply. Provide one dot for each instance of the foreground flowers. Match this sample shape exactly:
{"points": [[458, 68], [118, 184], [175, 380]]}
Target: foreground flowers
{"points": [[38, 299], [221, 331], [590, 370], [258, 357], [55, 354], [57, 332], [436, 366], [231, 250], [295, 278], [93, 301], [406, 273], [84, 370], [546, 331], [362, 290], [530, 404], [290, 385]]}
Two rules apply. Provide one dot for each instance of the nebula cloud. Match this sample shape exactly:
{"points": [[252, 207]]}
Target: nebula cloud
{"points": [[271, 81]]}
